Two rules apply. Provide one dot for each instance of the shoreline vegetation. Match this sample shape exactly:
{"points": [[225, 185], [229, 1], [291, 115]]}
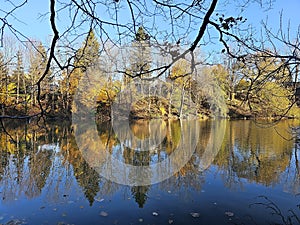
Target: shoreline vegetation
{"points": [[142, 111], [258, 89], [58, 107]]}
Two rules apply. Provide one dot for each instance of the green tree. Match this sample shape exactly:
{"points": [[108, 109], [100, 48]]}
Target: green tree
{"points": [[140, 56], [88, 55], [86, 58], [140, 194]]}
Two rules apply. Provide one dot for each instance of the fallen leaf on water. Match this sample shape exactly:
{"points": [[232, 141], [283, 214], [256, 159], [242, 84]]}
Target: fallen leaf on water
{"points": [[61, 223], [230, 214], [155, 214], [14, 222], [102, 213], [195, 215], [99, 199]]}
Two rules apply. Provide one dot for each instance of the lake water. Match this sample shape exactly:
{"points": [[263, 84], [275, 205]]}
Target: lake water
{"points": [[238, 172]]}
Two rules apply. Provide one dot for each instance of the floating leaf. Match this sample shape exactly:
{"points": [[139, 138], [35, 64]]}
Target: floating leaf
{"points": [[102, 213], [195, 215], [61, 223], [228, 213], [155, 214], [99, 199], [14, 222]]}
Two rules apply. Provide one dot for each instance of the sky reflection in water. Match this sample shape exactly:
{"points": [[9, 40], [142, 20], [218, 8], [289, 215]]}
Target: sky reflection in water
{"points": [[46, 179]]}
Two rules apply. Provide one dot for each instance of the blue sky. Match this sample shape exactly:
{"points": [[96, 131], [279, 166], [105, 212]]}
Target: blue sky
{"points": [[289, 9], [28, 18], [36, 26]]}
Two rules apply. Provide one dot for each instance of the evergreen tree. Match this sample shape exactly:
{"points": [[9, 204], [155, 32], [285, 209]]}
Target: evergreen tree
{"points": [[141, 55], [87, 57], [141, 35], [140, 194], [140, 64]]}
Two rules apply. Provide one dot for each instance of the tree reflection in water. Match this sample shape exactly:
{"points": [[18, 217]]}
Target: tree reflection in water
{"points": [[47, 159]]}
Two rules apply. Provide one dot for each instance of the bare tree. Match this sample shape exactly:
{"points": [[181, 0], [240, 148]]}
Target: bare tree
{"points": [[187, 23]]}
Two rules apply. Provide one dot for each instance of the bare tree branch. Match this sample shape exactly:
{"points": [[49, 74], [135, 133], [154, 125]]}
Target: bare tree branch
{"points": [[51, 54]]}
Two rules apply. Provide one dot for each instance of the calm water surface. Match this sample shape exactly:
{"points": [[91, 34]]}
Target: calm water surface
{"points": [[239, 173]]}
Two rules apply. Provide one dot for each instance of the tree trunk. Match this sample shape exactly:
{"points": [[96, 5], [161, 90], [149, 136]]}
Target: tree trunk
{"points": [[181, 101]]}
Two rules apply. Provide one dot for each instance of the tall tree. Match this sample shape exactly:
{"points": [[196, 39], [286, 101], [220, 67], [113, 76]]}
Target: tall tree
{"points": [[87, 57], [38, 61], [18, 77], [4, 82], [140, 63], [181, 75], [140, 59], [140, 54], [180, 21]]}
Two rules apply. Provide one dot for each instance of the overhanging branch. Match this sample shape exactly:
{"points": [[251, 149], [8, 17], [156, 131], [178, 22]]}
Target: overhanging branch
{"points": [[51, 54]]}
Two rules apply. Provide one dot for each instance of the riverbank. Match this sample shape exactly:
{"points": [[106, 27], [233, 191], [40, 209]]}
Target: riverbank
{"points": [[155, 108]]}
